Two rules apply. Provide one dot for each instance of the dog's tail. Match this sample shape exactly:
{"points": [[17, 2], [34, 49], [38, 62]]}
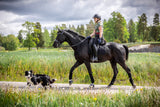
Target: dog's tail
{"points": [[52, 81]]}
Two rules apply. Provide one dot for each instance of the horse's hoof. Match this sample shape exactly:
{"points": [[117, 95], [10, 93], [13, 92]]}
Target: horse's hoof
{"points": [[70, 82], [134, 86], [50, 86], [109, 86], [91, 85]]}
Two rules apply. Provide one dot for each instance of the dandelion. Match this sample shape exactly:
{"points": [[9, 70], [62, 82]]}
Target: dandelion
{"points": [[38, 88], [95, 99], [81, 88], [141, 89]]}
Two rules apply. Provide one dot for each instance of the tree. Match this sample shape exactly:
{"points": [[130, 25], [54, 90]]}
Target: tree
{"points": [[54, 34], [63, 26], [46, 38], [78, 29], [89, 28], [120, 29], [132, 31], [38, 35], [29, 41], [116, 28], [20, 37], [108, 30], [82, 30], [142, 27], [156, 20], [155, 30], [72, 28], [10, 42], [29, 27], [1, 39]]}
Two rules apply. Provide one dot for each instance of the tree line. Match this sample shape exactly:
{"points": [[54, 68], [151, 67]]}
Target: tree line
{"points": [[115, 29]]}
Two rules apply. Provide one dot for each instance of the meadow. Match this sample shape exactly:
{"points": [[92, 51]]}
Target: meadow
{"points": [[55, 98], [145, 67]]}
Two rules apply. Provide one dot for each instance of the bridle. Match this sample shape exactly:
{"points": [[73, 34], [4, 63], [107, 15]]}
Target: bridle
{"points": [[57, 40]]}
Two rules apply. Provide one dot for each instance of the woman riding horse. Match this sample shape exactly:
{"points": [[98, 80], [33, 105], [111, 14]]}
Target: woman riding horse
{"points": [[115, 53], [98, 32]]}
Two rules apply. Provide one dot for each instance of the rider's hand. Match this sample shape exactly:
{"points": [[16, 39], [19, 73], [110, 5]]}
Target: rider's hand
{"points": [[88, 37], [99, 40]]}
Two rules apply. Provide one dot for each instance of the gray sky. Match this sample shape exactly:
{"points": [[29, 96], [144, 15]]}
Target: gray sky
{"points": [[13, 13]]}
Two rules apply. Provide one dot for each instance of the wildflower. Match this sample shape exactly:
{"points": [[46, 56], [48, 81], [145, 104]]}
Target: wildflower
{"points": [[141, 89], [38, 88], [81, 103], [95, 99]]}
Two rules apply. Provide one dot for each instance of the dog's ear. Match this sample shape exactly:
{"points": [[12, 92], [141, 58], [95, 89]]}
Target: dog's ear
{"points": [[26, 73], [31, 71]]}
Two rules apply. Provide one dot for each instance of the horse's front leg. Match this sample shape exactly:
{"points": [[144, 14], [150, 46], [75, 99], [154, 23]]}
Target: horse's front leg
{"points": [[71, 71], [88, 65]]}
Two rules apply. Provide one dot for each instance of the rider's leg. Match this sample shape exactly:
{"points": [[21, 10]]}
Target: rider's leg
{"points": [[95, 49], [91, 49]]}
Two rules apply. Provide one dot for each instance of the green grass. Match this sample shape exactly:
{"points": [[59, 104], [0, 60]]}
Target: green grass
{"points": [[55, 98], [145, 67]]}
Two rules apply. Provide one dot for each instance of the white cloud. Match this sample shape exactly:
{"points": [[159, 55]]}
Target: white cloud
{"points": [[55, 12]]}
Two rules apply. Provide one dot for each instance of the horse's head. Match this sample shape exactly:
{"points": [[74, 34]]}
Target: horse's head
{"points": [[59, 39]]}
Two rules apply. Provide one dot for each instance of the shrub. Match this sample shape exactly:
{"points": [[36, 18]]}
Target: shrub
{"points": [[10, 42], [2, 48], [117, 41]]}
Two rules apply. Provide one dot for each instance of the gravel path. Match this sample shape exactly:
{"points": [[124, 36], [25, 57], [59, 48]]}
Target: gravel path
{"points": [[83, 88]]}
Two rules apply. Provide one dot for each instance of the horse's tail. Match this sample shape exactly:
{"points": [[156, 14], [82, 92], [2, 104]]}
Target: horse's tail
{"points": [[127, 51]]}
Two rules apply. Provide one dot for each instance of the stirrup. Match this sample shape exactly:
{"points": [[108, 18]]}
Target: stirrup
{"points": [[92, 59], [95, 59]]}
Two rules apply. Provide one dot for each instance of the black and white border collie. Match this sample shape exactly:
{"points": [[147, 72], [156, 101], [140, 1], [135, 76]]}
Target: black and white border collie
{"points": [[36, 79]]}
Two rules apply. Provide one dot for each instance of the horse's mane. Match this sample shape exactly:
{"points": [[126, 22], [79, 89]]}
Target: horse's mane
{"points": [[75, 34]]}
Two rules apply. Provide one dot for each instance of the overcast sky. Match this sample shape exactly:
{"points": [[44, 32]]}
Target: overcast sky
{"points": [[13, 13]]}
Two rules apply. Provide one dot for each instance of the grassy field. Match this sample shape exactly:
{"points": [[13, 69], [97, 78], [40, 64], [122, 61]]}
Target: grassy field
{"points": [[55, 98], [56, 63], [145, 67]]}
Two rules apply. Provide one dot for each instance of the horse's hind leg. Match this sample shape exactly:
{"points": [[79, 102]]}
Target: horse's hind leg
{"points": [[125, 67], [115, 70]]}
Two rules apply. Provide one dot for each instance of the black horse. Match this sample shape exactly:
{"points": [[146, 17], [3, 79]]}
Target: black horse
{"points": [[115, 53]]}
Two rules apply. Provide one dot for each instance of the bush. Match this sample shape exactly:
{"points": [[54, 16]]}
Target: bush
{"points": [[2, 48], [117, 41], [10, 42]]}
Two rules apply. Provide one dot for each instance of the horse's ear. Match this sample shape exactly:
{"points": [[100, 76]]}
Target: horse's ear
{"points": [[59, 29]]}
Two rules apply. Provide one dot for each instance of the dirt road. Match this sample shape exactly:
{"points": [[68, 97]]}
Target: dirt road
{"points": [[83, 88]]}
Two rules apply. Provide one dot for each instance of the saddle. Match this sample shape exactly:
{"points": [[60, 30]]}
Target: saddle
{"points": [[91, 42]]}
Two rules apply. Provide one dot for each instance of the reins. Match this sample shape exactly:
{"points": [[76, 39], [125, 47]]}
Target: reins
{"points": [[78, 38], [78, 43]]}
